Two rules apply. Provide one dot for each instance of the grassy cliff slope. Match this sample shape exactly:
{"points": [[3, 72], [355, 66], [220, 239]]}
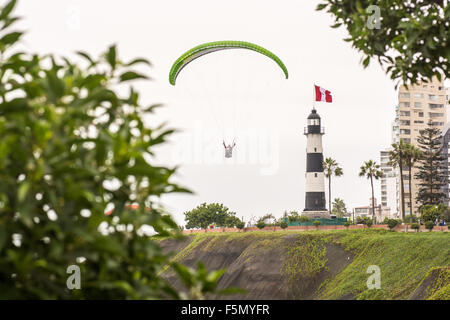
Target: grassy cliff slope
{"points": [[322, 264]]}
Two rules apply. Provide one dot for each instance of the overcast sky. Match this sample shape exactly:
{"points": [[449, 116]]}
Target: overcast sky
{"points": [[267, 173]]}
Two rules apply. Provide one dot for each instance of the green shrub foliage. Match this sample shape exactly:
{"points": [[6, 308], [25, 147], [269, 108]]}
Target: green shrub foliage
{"points": [[415, 226], [260, 224], [429, 225], [392, 223], [206, 214], [71, 148]]}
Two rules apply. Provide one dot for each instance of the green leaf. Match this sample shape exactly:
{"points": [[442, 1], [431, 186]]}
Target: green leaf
{"points": [[86, 56], [215, 275], [366, 61], [321, 6], [9, 21], [10, 38], [14, 106], [151, 108], [131, 75], [6, 10], [138, 60], [111, 56], [56, 86], [184, 273], [23, 191], [93, 81]]}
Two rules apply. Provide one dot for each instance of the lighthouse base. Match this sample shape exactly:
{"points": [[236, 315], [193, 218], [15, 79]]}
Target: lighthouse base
{"points": [[317, 214]]}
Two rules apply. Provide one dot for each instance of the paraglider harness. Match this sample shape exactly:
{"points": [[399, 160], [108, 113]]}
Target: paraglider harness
{"points": [[229, 149]]}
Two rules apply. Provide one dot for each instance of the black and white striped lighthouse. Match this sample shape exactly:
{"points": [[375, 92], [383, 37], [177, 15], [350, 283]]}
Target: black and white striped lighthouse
{"points": [[315, 186]]}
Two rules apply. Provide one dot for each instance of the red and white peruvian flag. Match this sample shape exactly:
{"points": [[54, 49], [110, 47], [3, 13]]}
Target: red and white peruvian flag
{"points": [[323, 94]]}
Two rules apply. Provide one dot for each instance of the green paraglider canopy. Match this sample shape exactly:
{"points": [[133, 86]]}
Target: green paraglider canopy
{"points": [[210, 47]]}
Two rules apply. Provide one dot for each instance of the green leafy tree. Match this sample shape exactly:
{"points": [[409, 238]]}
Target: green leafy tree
{"points": [[72, 146], [430, 213], [267, 218], [316, 223], [392, 223], [347, 224], [371, 170], [415, 226], [408, 38], [339, 208], [283, 225], [368, 222], [261, 224], [240, 225], [412, 155], [411, 218], [304, 219], [445, 212], [330, 168], [397, 157], [206, 214], [293, 216], [429, 225], [360, 220], [431, 174]]}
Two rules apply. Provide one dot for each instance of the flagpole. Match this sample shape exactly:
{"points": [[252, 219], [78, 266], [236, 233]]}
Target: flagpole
{"points": [[314, 99]]}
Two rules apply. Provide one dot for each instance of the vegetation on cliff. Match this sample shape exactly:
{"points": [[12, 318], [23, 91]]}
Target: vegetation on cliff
{"points": [[327, 264]]}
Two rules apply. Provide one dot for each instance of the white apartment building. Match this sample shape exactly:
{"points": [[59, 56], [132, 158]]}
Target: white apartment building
{"points": [[418, 105], [395, 127], [389, 185]]}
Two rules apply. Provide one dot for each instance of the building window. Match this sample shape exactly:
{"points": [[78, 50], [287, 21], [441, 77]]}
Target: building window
{"points": [[436, 115], [418, 95], [405, 113], [421, 114], [404, 104], [315, 175], [432, 97], [404, 94], [405, 131], [405, 122], [435, 106], [418, 104], [418, 121]]}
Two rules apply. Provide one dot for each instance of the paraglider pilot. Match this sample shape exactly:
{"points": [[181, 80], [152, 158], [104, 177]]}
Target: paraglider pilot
{"points": [[228, 149]]}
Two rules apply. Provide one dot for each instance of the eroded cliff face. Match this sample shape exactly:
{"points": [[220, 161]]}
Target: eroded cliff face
{"points": [[307, 265], [267, 265]]}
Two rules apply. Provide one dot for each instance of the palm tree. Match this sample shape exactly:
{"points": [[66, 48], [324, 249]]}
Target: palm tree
{"points": [[339, 207], [412, 155], [371, 170], [397, 157], [330, 168]]}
